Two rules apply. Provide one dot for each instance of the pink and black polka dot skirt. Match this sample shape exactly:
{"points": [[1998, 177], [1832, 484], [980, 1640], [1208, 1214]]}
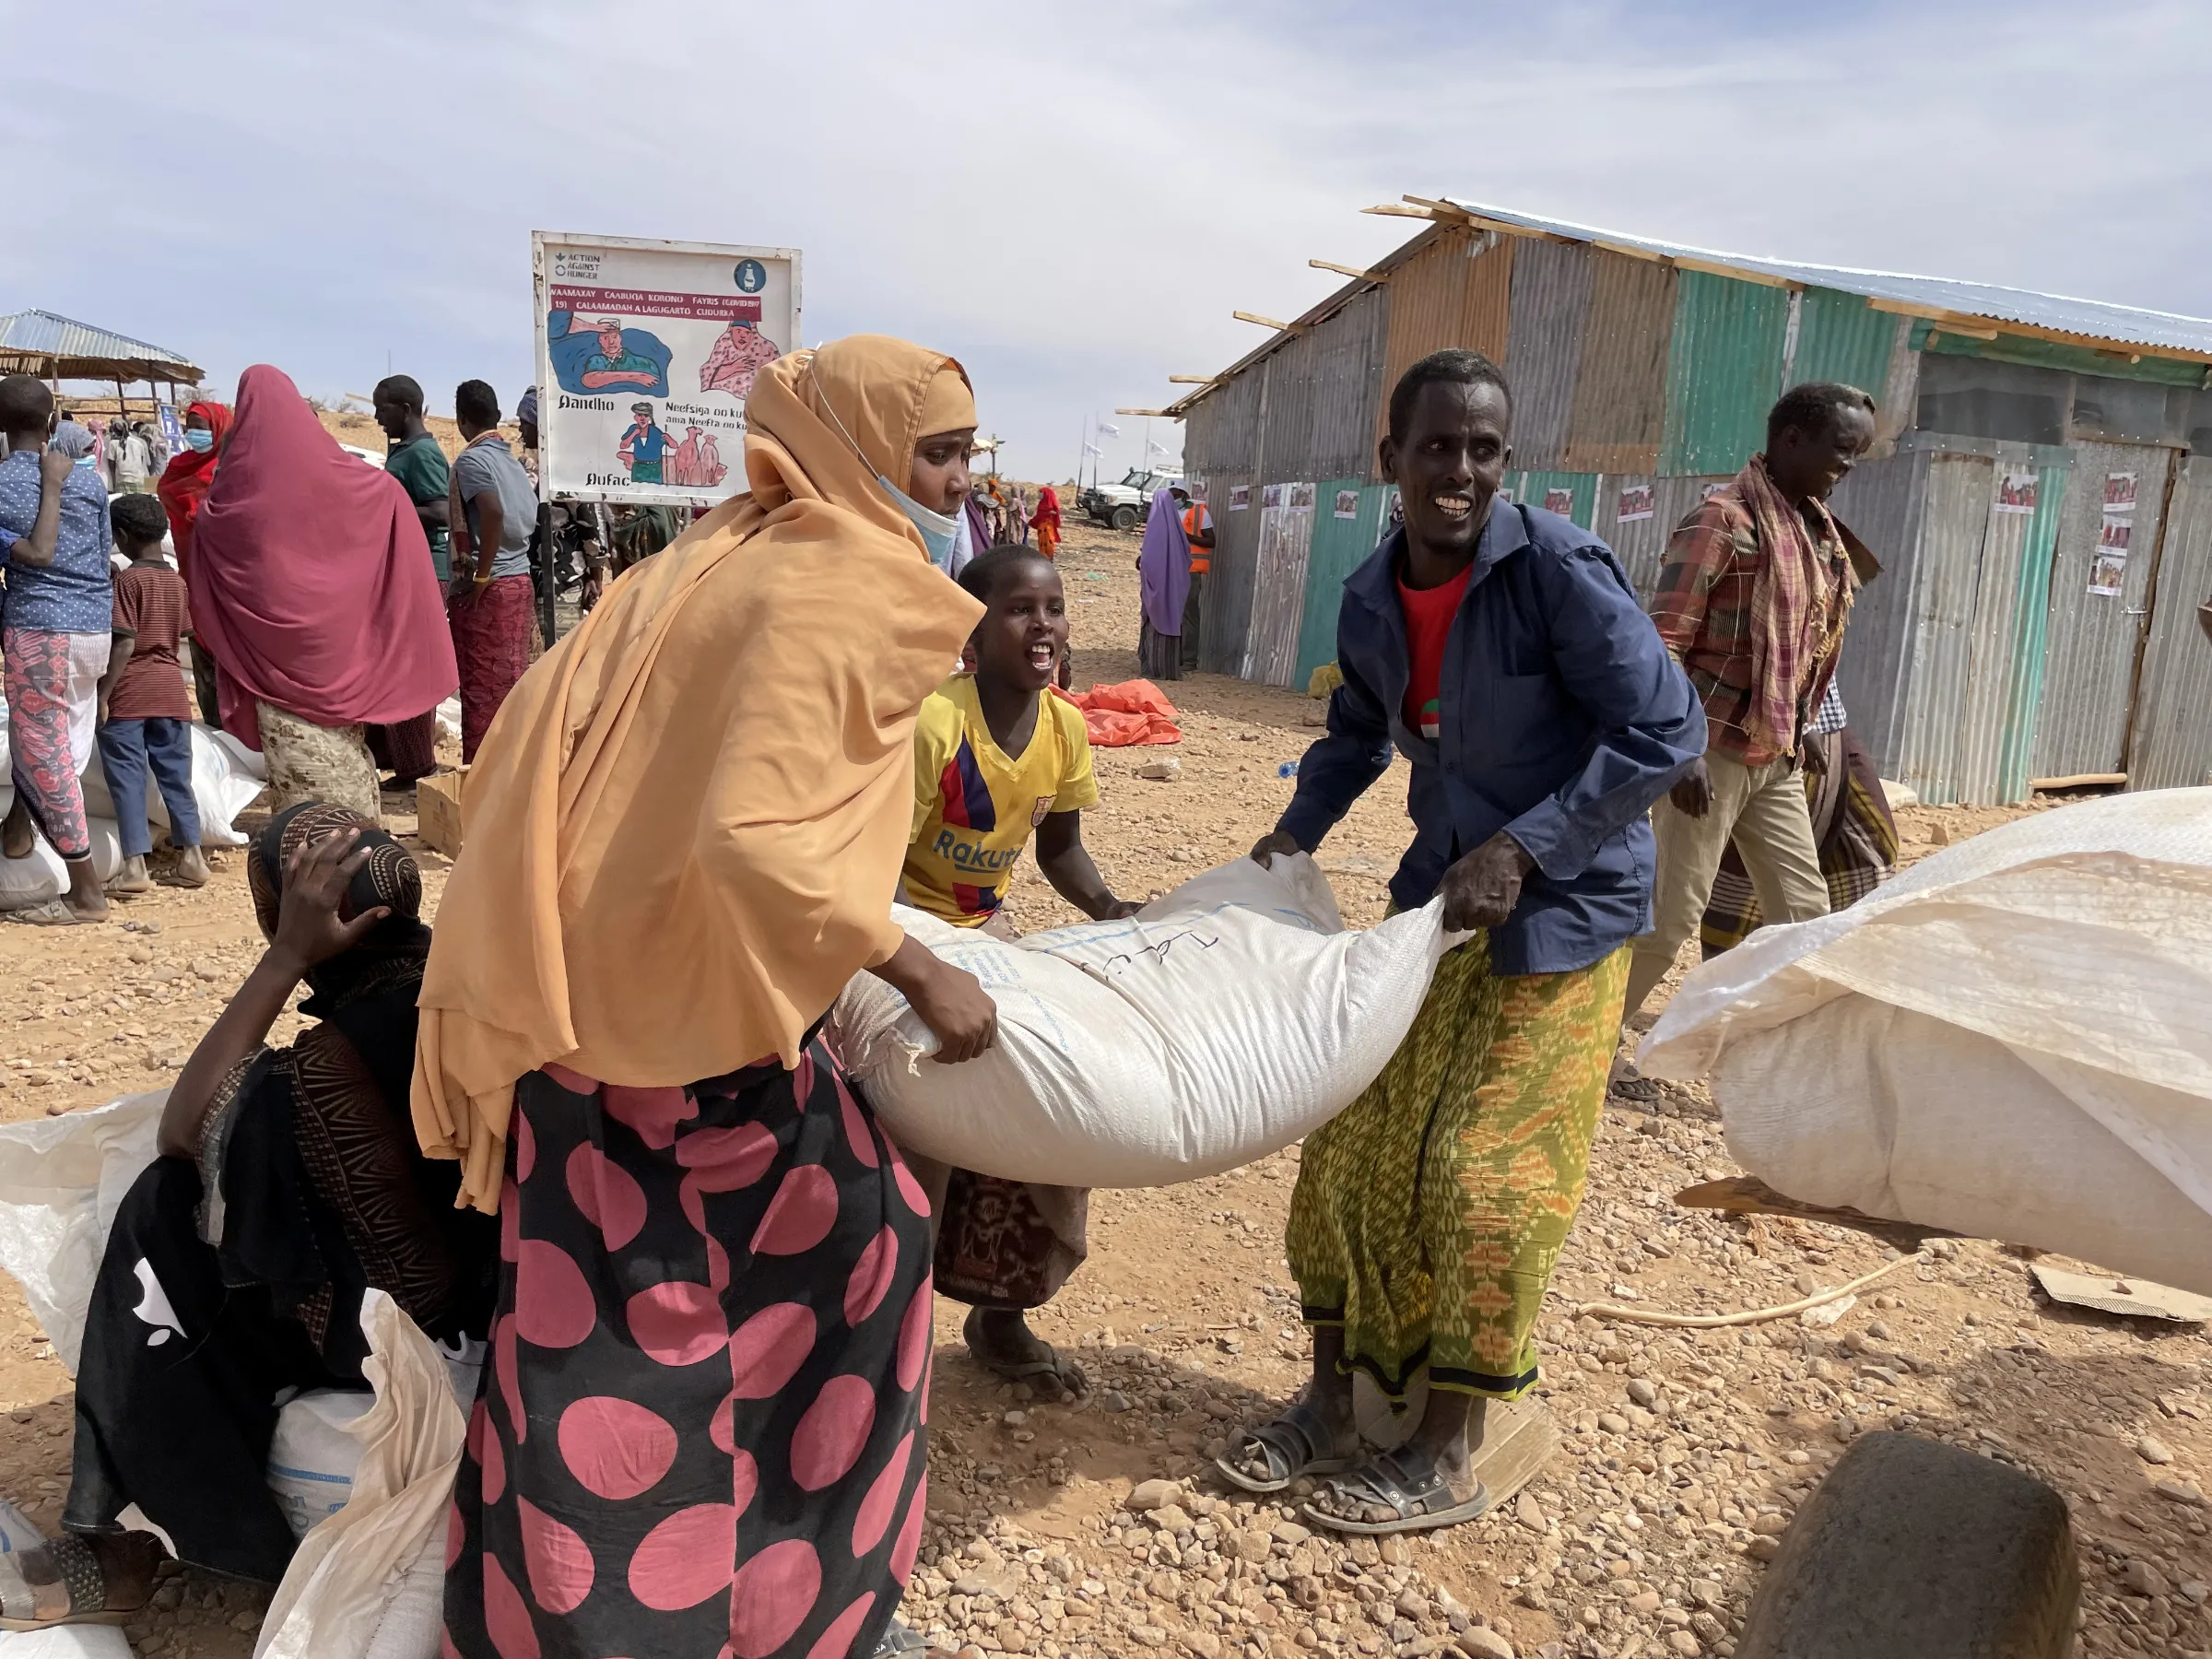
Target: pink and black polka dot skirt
{"points": [[700, 1432]]}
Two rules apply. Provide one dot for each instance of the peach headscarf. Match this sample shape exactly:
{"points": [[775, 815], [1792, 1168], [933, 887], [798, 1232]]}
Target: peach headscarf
{"points": [[686, 823]]}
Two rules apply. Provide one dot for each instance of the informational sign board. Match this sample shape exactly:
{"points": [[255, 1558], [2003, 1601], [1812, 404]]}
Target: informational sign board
{"points": [[646, 353]]}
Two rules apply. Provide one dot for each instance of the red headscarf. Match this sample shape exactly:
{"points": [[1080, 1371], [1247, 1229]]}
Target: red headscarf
{"points": [[311, 579], [183, 483], [1048, 508]]}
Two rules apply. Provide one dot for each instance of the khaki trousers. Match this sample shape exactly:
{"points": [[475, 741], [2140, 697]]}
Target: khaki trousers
{"points": [[1764, 810]]}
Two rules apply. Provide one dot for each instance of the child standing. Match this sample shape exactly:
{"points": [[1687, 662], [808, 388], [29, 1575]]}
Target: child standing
{"points": [[997, 758], [144, 719]]}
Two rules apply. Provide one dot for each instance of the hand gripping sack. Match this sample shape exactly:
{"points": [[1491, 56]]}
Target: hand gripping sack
{"points": [[1220, 1024]]}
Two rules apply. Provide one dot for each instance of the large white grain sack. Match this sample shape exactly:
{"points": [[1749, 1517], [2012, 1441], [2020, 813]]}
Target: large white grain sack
{"points": [[66, 1641], [1221, 1023], [226, 778], [41, 875], [61, 1180], [2013, 1040], [312, 1454]]}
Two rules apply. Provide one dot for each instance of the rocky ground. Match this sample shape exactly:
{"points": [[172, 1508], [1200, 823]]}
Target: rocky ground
{"points": [[1097, 1528]]}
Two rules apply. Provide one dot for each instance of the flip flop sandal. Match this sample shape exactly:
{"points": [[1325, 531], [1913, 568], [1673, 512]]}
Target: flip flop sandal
{"points": [[900, 1637], [1058, 1372], [60, 1583], [1293, 1443], [51, 913], [1386, 1480]]}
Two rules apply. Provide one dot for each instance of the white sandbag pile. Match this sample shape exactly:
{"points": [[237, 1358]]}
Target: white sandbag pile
{"points": [[1221, 1023], [2013, 1040]]}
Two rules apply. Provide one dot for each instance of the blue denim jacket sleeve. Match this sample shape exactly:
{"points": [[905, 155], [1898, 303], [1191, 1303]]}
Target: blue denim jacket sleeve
{"points": [[1340, 767], [1649, 724]]}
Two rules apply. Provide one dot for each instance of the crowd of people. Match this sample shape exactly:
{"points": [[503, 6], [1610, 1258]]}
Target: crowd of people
{"points": [[589, 1130]]}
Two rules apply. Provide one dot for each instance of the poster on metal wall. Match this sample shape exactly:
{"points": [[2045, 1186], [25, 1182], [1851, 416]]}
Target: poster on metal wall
{"points": [[2108, 570], [1637, 502], [1348, 504], [2017, 493], [1561, 501], [1240, 498], [646, 353]]}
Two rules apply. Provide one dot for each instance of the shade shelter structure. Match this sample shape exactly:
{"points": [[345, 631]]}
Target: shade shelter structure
{"points": [[58, 348]]}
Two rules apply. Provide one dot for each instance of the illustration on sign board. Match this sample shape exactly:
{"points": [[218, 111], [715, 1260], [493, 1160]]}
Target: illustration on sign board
{"points": [[697, 460], [597, 354], [645, 447], [1636, 503], [741, 351]]}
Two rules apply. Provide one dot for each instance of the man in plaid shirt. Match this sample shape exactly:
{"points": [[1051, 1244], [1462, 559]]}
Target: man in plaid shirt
{"points": [[1752, 602]]}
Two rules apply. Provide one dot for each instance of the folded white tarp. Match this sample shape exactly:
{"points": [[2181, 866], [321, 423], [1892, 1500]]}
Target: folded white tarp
{"points": [[1221, 1023], [2013, 1040]]}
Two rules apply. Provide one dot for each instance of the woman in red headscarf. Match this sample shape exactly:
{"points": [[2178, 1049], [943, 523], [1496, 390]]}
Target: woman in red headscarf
{"points": [[1045, 521], [182, 487], [312, 586]]}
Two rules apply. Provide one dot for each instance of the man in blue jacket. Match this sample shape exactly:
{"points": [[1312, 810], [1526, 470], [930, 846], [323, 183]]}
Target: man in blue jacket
{"points": [[1502, 650]]}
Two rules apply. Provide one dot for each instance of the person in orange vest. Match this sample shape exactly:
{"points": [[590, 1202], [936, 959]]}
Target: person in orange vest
{"points": [[1199, 530]]}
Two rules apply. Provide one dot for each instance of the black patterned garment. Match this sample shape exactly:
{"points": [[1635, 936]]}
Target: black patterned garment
{"points": [[701, 1432], [238, 1276]]}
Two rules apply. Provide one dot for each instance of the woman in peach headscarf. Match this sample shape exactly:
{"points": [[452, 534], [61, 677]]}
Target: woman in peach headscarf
{"points": [[701, 1428]]}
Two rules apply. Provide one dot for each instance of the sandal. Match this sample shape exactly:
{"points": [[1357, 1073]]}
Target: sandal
{"points": [[59, 1583], [1293, 1446], [53, 913], [1056, 1378], [1422, 1498], [900, 1637]]}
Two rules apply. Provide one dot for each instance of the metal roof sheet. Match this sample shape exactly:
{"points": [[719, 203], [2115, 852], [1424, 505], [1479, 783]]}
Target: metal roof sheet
{"points": [[2091, 319], [40, 334]]}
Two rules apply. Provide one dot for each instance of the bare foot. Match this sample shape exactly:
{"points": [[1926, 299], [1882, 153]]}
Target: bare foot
{"points": [[1001, 1340], [15, 833]]}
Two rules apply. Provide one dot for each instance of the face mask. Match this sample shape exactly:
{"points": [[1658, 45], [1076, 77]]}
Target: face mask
{"points": [[940, 533], [200, 439]]}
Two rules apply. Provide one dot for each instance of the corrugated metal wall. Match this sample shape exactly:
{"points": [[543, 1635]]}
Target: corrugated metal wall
{"points": [[1286, 434], [1339, 546], [1278, 602], [1222, 432], [1543, 344], [1954, 522], [1841, 338], [1348, 378], [1723, 372], [2081, 727], [2031, 628], [1621, 377], [1882, 501], [1641, 542], [1228, 605], [1457, 292], [2170, 746], [1537, 489]]}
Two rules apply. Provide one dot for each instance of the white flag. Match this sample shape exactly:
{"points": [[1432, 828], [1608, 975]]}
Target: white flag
{"points": [[1092, 449], [1153, 447], [1108, 427]]}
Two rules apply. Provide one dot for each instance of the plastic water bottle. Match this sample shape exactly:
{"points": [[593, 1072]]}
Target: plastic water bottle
{"points": [[1288, 769]]}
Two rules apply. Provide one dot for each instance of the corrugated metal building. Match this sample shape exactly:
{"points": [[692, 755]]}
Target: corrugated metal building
{"points": [[2046, 534]]}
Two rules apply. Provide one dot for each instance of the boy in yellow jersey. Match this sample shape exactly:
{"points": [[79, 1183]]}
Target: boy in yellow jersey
{"points": [[998, 758]]}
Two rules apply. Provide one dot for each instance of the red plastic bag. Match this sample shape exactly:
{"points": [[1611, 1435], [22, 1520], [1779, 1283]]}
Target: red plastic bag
{"points": [[1124, 715]]}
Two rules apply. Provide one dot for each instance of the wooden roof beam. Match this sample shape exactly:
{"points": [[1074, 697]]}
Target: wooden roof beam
{"points": [[1161, 414], [1351, 271], [1398, 210], [1193, 380], [1280, 327]]}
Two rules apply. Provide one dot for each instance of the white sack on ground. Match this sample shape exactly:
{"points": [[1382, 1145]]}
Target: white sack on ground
{"points": [[1221, 1023], [61, 1180], [2012, 1040], [226, 778], [356, 1579], [41, 875]]}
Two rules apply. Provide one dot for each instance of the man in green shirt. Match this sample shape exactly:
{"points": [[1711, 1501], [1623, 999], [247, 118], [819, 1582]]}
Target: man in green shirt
{"points": [[415, 459]]}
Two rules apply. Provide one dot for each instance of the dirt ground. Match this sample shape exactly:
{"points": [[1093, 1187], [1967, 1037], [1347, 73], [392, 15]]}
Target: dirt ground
{"points": [[1684, 1453]]}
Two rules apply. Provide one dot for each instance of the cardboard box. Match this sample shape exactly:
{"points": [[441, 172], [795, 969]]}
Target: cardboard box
{"points": [[438, 811]]}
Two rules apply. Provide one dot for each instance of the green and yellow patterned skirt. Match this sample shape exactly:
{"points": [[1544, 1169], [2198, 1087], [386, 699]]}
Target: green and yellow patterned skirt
{"points": [[1428, 1213]]}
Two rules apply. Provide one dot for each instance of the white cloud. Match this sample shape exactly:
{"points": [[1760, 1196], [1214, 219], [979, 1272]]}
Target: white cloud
{"points": [[1072, 203]]}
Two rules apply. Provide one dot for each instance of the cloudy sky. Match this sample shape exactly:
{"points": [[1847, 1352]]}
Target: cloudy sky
{"points": [[1071, 200]]}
